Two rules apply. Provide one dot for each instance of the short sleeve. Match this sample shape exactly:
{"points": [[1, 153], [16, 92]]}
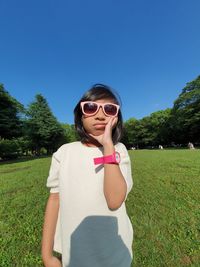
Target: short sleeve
{"points": [[125, 166], [53, 178]]}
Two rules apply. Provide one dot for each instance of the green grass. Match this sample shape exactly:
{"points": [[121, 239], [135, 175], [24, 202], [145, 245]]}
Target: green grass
{"points": [[164, 207], [22, 202]]}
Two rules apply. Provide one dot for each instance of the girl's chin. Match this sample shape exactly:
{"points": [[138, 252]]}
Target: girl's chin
{"points": [[98, 132]]}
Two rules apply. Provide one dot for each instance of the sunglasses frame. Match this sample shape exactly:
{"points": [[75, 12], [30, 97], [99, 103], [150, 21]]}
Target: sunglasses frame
{"points": [[98, 107]]}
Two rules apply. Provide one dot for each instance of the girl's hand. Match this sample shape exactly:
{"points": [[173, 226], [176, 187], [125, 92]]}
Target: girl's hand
{"points": [[53, 262], [106, 137]]}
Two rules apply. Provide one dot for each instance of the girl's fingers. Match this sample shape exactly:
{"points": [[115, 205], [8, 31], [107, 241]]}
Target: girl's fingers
{"points": [[108, 129], [109, 126], [114, 121], [111, 121], [93, 136]]}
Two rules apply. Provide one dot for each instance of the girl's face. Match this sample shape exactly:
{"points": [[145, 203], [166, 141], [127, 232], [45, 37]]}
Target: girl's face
{"points": [[95, 124]]}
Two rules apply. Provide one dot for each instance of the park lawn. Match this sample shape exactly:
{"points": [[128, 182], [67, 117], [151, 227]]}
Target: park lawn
{"points": [[164, 207]]}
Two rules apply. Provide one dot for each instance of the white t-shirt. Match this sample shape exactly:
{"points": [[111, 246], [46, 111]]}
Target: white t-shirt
{"points": [[88, 233]]}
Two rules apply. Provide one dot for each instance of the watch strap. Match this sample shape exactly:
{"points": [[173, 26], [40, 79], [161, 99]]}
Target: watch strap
{"points": [[99, 160], [107, 159]]}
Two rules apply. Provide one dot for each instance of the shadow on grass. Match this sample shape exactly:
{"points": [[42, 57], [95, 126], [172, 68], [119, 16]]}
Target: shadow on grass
{"points": [[22, 159], [15, 169]]}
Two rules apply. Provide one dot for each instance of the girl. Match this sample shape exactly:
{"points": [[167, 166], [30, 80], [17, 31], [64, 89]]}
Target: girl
{"points": [[85, 218]]}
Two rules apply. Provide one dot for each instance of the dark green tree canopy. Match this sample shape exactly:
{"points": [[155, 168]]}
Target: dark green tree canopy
{"points": [[186, 113], [148, 131], [10, 111], [190, 95], [42, 127], [70, 133]]}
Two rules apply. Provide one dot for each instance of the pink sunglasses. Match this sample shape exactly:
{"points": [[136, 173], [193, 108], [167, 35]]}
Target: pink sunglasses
{"points": [[91, 108]]}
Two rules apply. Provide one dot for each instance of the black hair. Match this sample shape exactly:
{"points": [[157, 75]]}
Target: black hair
{"points": [[96, 92]]}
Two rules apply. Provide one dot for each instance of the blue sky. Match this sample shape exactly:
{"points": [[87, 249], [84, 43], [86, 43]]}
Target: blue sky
{"points": [[146, 50]]}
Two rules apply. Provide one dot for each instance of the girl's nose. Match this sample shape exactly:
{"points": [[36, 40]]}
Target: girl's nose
{"points": [[100, 113]]}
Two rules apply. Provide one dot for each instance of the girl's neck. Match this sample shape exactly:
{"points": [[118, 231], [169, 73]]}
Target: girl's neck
{"points": [[92, 144]]}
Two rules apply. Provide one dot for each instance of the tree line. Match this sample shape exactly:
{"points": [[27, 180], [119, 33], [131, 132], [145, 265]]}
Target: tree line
{"points": [[34, 130], [30, 131], [176, 126]]}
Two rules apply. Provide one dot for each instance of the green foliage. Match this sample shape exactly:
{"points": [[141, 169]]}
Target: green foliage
{"points": [[13, 148], [9, 148], [155, 126], [186, 113], [41, 132], [42, 127], [130, 132], [10, 110], [149, 131], [190, 95], [179, 125], [38, 132], [69, 133]]}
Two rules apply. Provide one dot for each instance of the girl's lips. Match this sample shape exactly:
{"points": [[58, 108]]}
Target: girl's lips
{"points": [[99, 125]]}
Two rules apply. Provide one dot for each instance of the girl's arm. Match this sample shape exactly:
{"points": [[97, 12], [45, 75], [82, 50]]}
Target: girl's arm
{"points": [[50, 220], [114, 184], [115, 187]]}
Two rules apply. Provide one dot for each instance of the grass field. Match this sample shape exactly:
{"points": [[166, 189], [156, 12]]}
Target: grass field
{"points": [[164, 207]]}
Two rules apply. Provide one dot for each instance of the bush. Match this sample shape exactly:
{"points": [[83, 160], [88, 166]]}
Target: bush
{"points": [[9, 149]]}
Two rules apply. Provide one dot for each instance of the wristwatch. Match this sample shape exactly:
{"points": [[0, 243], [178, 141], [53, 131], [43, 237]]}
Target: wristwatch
{"points": [[113, 158]]}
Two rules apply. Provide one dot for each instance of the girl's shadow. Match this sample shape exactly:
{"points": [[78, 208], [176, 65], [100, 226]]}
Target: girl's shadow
{"points": [[96, 243]]}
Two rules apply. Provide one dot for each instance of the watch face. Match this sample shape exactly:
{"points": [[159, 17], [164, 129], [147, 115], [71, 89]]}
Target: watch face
{"points": [[117, 157]]}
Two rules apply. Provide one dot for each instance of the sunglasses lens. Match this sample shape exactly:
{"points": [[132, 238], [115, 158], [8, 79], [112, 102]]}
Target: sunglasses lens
{"points": [[110, 110], [90, 108]]}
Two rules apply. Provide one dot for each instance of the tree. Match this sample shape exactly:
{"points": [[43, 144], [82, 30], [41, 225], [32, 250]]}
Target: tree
{"points": [[158, 127], [149, 131], [10, 111], [129, 136], [70, 133], [42, 127], [186, 113]]}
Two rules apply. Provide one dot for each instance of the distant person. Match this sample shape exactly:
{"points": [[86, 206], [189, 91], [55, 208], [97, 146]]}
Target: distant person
{"points": [[160, 147], [86, 219], [190, 145]]}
